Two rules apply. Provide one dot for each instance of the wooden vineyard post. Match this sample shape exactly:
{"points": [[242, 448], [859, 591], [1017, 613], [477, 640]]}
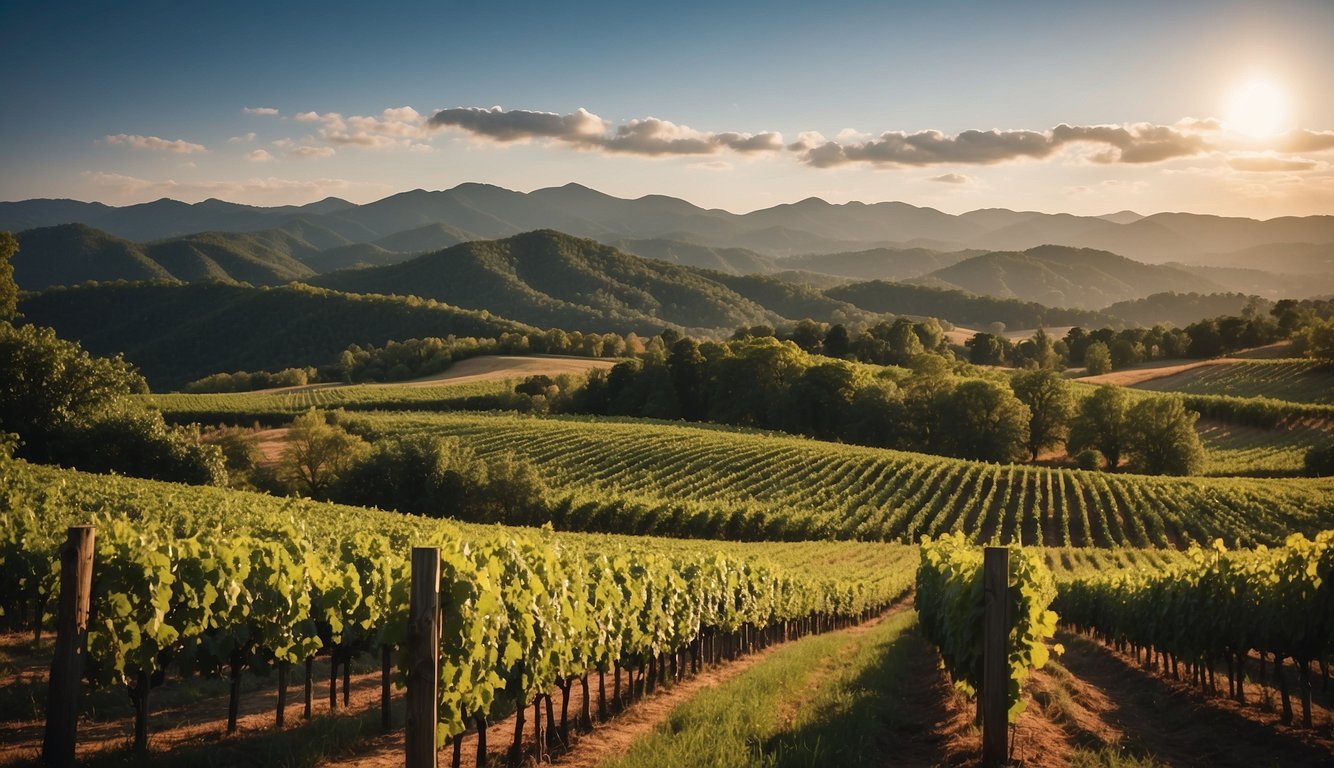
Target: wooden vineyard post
{"points": [[423, 647], [995, 657], [76, 586]]}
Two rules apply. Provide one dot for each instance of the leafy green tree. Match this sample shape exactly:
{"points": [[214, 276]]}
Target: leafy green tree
{"points": [[9, 290], [1100, 423], [689, 378], [904, 343], [809, 335], [1161, 437], [986, 349], [1316, 339], [930, 334], [137, 440], [1097, 358], [979, 419], [821, 398], [318, 453], [1050, 404], [877, 414], [47, 383], [837, 341]]}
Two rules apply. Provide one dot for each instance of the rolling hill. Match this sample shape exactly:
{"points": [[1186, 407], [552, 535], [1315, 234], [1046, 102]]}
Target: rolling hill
{"points": [[1058, 276], [547, 278], [961, 307], [893, 264], [176, 333]]}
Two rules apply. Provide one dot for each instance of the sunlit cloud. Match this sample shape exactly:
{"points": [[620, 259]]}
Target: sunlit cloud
{"points": [[1136, 143], [259, 156], [260, 111], [1271, 164], [242, 139], [650, 136], [312, 152], [951, 178], [154, 143]]}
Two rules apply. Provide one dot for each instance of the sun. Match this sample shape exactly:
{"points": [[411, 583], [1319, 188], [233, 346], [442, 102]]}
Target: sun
{"points": [[1257, 108]]}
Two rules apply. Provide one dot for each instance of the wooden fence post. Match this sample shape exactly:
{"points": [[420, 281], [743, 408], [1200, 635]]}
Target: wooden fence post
{"points": [[423, 647], [76, 586], [996, 657]]}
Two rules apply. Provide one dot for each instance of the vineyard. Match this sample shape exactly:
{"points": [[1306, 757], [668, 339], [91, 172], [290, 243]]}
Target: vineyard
{"points": [[236, 583], [1294, 380], [666, 479], [1232, 449], [1219, 606], [280, 407]]}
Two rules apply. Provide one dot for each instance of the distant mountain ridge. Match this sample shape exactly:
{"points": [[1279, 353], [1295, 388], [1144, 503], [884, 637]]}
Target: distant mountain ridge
{"points": [[808, 226]]}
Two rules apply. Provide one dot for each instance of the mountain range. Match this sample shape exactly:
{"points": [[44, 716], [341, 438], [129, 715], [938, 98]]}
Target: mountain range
{"points": [[805, 227]]}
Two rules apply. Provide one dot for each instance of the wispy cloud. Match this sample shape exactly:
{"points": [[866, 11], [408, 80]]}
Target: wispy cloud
{"points": [[1271, 164], [259, 156], [312, 152], [242, 139], [154, 143], [951, 178], [260, 111]]}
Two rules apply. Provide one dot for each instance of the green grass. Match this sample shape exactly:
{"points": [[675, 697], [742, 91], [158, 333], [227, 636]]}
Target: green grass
{"points": [[835, 699], [1294, 380]]}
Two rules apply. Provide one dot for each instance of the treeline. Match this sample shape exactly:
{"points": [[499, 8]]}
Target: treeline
{"points": [[961, 307], [416, 358], [934, 405], [1307, 323]]}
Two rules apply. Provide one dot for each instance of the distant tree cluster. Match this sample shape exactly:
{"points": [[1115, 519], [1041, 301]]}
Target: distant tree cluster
{"points": [[328, 456], [1309, 323], [416, 358]]}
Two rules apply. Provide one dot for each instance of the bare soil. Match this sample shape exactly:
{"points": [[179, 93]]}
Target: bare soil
{"points": [[474, 369], [1121, 706]]}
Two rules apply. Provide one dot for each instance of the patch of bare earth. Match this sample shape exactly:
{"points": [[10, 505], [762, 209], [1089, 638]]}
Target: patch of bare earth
{"points": [[1113, 703], [1148, 372]]}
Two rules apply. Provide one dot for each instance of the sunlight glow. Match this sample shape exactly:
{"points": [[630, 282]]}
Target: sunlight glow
{"points": [[1257, 108]]}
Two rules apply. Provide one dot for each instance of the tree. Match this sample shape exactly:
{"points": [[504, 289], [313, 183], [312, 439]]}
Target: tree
{"points": [[1097, 359], [986, 349], [1100, 423], [1161, 437], [47, 383], [980, 419], [1049, 403], [317, 453], [837, 341], [1316, 339], [809, 335], [904, 343], [687, 366], [821, 398], [9, 290], [1320, 460]]}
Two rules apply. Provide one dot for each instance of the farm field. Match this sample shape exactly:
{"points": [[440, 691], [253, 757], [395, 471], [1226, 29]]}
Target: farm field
{"points": [[1295, 380], [1232, 449], [280, 406], [648, 477]]}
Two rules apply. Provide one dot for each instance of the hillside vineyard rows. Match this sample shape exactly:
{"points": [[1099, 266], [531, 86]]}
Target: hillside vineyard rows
{"points": [[236, 580], [641, 477]]}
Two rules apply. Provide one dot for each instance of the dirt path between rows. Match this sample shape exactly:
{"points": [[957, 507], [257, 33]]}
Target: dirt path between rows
{"points": [[587, 750], [1121, 706]]}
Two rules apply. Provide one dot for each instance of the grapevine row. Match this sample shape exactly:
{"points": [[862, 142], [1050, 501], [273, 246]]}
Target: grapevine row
{"points": [[1218, 606]]}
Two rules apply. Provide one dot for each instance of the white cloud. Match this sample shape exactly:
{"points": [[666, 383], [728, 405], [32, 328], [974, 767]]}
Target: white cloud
{"points": [[260, 111], [242, 139], [312, 152], [951, 178], [154, 143], [259, 156]]}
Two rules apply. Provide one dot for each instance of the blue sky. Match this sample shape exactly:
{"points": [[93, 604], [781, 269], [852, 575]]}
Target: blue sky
{"points": [[755, 103]]}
